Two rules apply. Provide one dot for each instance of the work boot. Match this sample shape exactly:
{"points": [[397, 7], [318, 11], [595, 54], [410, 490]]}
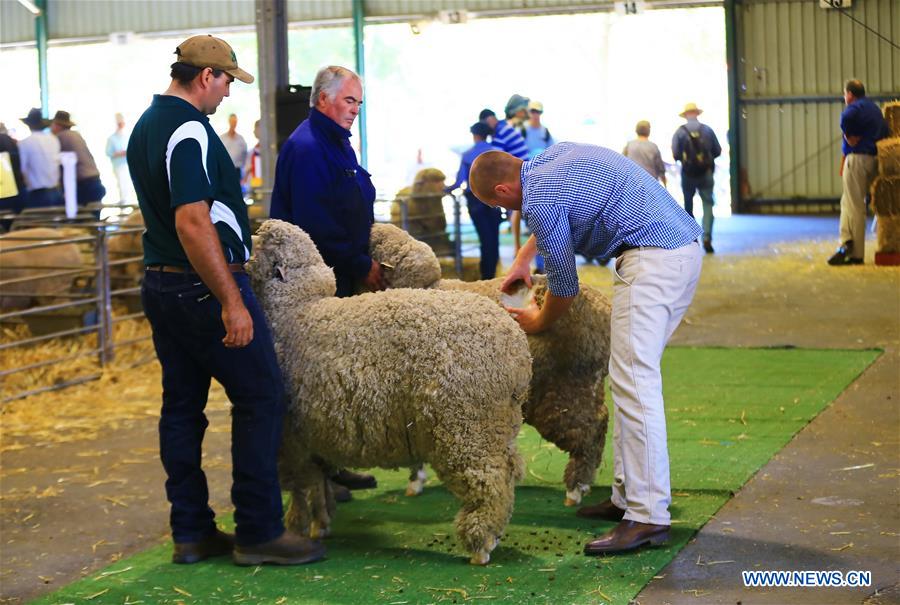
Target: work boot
{"points": [[352, 480], [287, 549], [215, 544], [341, 493]]}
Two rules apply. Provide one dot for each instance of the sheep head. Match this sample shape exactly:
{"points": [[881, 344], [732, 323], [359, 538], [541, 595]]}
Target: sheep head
{"points": [[412, 264], [286, 266]]}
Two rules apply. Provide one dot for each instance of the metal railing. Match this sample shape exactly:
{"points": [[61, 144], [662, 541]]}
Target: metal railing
{"points": [[86, 306], [424, 217]]}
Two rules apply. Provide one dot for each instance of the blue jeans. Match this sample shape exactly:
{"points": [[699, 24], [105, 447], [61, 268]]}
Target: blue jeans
{"points": [[187, 332], [43, 198], [487, 224], [704, 185], [89, 190]]}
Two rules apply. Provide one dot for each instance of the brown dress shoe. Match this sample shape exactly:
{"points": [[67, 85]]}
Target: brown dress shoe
{"points": [[287, 549], [216, 544], [606, 510], [352, 480], [626, 536]]}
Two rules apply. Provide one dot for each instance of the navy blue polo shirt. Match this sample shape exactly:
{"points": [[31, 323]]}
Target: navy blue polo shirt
{"points": [[176, 158], [863, 118]]}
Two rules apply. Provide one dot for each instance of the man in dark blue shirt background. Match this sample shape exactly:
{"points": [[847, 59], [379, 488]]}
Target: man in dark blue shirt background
{"points": [[485, 218], [862, 125], [320, 186]]}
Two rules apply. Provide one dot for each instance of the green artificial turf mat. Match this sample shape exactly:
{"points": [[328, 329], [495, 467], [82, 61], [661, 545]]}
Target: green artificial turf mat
{"points": [[729, 411]]}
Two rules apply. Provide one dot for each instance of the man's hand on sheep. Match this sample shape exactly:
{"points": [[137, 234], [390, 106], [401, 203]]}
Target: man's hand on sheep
{"points": [[533, 319], [375, 280]]}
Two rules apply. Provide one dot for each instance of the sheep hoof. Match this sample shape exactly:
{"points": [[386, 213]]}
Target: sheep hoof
{"points": [[417, 485], [573, 497], [317, 532], [483, 556], [480, 558]]}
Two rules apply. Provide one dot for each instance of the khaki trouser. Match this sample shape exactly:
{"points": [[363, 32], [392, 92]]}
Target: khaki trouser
{"points": [[859, 172], [652, 290]]}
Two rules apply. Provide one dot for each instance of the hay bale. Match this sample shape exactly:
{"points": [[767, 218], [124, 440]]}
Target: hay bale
{"points": [[889, 156], [888, 234], [892, 116], [885, 193]]}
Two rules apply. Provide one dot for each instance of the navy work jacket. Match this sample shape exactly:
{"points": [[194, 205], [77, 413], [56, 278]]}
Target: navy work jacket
{"points": [[321, 188]]}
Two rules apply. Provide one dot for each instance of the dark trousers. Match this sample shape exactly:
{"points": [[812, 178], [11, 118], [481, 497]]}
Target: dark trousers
{"points": [[187, 332], [43, 198], [704, 185], [89, 190], [487, 224], [12, 205]]}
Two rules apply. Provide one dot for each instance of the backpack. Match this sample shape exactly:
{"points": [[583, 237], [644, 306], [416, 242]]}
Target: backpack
{"points": [[695, 159], [523, 130]]}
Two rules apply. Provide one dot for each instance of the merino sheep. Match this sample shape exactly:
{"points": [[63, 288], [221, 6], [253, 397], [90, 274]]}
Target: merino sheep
{"points": [[571, 360], [425, 210], [392, 379], [18, 264]]}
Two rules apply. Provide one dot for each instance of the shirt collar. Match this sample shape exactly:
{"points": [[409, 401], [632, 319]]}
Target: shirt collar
{"points": [[327, 125], [173, 101], [523, 175]]}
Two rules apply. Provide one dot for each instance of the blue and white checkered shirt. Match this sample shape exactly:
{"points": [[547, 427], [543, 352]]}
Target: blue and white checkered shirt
{"points": [[591, 200]]}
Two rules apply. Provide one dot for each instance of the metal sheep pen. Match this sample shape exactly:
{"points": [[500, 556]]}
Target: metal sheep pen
{"points": [[87, 304]]}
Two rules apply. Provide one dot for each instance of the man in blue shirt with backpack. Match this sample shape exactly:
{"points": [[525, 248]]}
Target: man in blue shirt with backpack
{"points": [[695, 145]]}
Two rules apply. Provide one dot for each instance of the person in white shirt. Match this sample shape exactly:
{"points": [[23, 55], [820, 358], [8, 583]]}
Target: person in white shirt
{"points": [[235, 145], [116, 146], [39, 160]]}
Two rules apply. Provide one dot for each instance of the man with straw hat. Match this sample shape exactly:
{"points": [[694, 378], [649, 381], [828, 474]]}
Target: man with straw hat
{"points": [[695, 145], [39, 161], [88, 187], [205, 319]]}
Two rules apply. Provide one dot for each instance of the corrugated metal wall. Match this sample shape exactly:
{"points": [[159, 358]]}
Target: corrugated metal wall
{"points": [[793, 60], [80, 19]]}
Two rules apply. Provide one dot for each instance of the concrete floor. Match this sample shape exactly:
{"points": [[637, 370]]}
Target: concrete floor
{"points": [[69, 508]]}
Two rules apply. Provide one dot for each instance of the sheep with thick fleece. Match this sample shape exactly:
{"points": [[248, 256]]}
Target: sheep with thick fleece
{"points": [[571, 359], [392, 379]]}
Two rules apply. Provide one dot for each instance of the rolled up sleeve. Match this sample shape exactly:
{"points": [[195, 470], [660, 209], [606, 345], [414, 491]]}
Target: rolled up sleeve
{"points": [[550, 225]]}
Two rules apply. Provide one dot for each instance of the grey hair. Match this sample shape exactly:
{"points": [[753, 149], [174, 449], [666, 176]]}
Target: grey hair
{"points": [[329, 80]]}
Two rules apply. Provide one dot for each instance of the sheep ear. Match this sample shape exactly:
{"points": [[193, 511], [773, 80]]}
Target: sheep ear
{"points": [[279, 273]]}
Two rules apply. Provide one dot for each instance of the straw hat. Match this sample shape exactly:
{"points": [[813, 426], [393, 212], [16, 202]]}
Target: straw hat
{"points": [[691, 107]]}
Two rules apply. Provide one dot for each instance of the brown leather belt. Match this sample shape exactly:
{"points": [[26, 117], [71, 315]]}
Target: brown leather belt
{"points": [[233, 267]]}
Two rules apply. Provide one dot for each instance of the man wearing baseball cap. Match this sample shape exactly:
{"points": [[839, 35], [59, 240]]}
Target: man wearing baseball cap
{"points": [[485, 218], [206, 322]]}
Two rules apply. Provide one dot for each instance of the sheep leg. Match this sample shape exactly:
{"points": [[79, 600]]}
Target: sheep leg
{"points": [[309, 512], [486, 490], [575, 419], [417, 479]]}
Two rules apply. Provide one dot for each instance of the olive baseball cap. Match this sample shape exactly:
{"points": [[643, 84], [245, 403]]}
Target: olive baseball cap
{"points": [[209, 51]]}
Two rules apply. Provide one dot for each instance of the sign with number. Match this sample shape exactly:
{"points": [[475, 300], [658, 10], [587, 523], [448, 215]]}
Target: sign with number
{"points": [[630, 7]]}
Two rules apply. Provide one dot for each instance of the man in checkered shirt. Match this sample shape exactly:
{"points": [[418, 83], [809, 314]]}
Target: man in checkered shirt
{"points": [[583, 199]]}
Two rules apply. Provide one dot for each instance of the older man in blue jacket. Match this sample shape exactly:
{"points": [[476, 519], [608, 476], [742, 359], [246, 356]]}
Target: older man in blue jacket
{"points": [[320, 186]]}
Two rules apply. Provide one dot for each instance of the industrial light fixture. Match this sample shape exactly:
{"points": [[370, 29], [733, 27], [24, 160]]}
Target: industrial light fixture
{"points": [[30, 6]]}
